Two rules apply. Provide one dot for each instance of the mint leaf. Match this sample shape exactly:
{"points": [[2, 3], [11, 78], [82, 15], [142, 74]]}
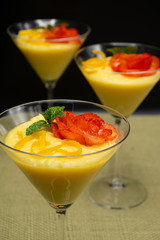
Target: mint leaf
{"points": [[130, 49], [38, 27], [36, 126], [127, 49], [49, 27], [64, 23], [51, 113]]}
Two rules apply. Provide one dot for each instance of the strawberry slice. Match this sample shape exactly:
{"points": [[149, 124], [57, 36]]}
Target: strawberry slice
{"points": [[56, 130], [105, 133], [139, 61], [110, 128], [62, 32], [91, 116], [69, 133], [89, 121], [93, 139], [135, 64]]}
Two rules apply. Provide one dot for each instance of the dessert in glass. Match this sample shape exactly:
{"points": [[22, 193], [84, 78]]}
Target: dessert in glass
{"points": [[49, 46], [56, 149], [122, 75]]}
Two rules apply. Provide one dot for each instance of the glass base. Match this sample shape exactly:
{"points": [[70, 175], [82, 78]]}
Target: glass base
{"points": [[117, 193], [59, 208]]}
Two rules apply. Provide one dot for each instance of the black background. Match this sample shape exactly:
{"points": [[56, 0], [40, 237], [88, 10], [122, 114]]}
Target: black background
{"points": [[109, 21]]}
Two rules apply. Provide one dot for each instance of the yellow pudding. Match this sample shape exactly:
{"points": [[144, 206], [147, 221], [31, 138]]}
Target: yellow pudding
{"points": [[59, 179], [49, 60], [118, 91], [48, 57]]}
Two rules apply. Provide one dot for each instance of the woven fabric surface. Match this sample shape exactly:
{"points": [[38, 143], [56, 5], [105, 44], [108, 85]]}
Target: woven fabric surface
{"points": [[25, 215]]}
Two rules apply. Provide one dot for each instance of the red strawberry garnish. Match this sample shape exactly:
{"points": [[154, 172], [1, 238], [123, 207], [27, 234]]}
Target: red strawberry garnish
{"points": [[135, 64], [62, 32], [87, 129]]}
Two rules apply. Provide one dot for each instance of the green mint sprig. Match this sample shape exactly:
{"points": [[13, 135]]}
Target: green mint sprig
{"points": [[38, 27], [36, 126], [50, 114], [127, 49], [49, 27]]}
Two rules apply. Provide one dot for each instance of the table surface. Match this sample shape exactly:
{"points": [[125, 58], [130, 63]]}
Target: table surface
{"points": [[24, 214]]}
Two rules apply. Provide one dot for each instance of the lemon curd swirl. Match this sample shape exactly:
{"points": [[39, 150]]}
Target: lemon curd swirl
{"points": [[59, 179]]}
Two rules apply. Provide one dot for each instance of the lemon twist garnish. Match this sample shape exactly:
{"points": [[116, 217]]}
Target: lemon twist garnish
{"points": [[62, 148], [20, 134], [20, 144], [40, 145], [95, 62], [102, 54], [23, 140], [31, 34]]}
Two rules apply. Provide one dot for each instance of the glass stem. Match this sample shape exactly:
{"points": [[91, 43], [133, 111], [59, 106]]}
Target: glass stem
{"points": [[60, 223], [116, 181], [50, 86]]}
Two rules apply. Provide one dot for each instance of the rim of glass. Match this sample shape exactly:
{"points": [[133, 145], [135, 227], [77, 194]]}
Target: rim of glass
{"points": [[87, 32], [115, 44], [67, 101]]}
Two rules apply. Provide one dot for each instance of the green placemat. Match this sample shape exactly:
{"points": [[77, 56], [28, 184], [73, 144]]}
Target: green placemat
{"points": [[25, 215]]}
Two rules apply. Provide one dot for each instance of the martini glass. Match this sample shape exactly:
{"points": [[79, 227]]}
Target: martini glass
{"points": [[49, 58], [123, 92], [60, 179]]}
